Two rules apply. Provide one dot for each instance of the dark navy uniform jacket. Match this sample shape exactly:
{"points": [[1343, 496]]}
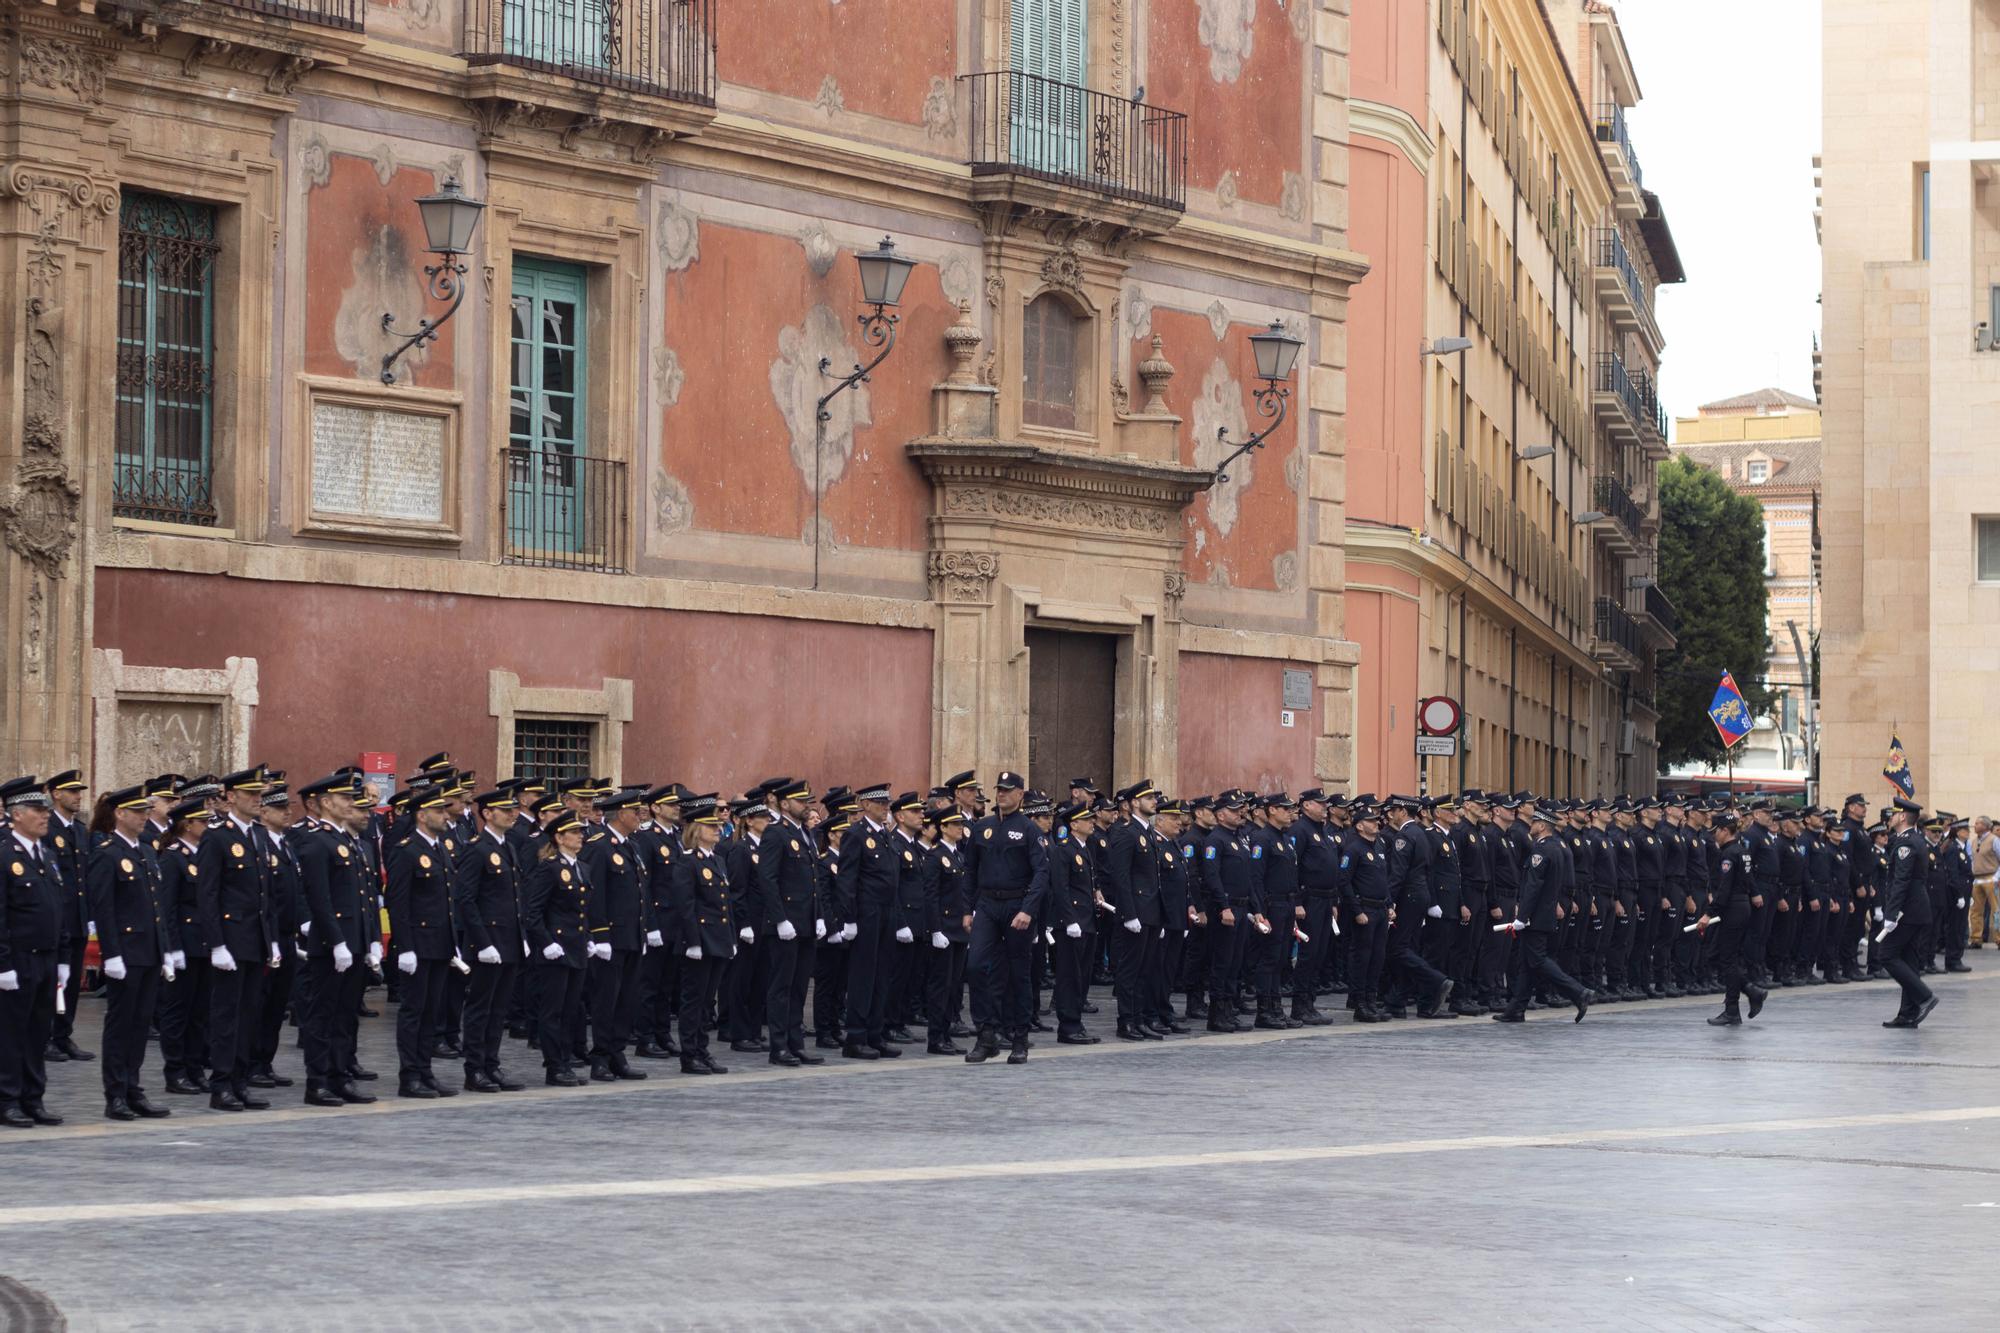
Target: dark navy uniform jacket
{"points": [[787, 878], [234, 892], [620, 905], [1367, 873], [420, 898], [487, 895], [1232, 869], [1072, 878], [31, 904], [129, 904], [1008, 859], [1540, 880], [339, 906], [869, 872], [1130, 873], [555, 910], [706, 905]]}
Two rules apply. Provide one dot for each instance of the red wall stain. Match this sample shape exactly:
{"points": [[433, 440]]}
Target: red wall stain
{"points": [[1267, 510], [719, 701], [726, 439], [882, 53], [345, 216], [1230, 732], [1255, 126]]}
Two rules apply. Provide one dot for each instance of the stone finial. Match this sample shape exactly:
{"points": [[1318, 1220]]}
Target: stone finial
{"points": [[962, 340], [1156, 372]]}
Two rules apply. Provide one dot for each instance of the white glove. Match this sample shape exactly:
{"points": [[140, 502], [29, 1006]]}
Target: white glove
{"points": [[694, 953], [1878, 914], [1048, 936], [746, 935], [1435, 913], [1133, 925], [114, 967], [1073, 930], [343, 957], [10, 980], [178, 960], [601, 952], [903, 935], [553, 951], [220, 958], [166, 971], [406, 963], [305, 928], [849, 931], [1961, 904], [277, 955], [489, 955], [90, 927], [938, 941], [653, 938], [787, 931], [1520, 925], [819, 928], [375, 953]]}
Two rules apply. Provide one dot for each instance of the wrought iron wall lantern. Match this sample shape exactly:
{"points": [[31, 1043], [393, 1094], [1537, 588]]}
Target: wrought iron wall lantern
{"points": [[450, 217]]}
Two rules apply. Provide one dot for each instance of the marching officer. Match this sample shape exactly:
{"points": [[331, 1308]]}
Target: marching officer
{"points": [[787, 910], [1730, 911], [1410, 878], [556, 920], [33, 938], [487, 896], [1130, 872], [1008, 863], [1536, 923], [1320, 880], [136, 946], [1906, 914], [69, 840], [422, 930], [234, 893], [706, 909]]}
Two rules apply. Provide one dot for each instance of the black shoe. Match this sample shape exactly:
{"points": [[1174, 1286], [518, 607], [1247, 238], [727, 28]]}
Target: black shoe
{"points": [[887, 1051], [854, 1050], [828, 1043], [363, 1076], [277, 1080], [1510, 1016], [1923, 1012], [1195, 1010], [1078, 1039], [1956, 967], [1019, 1055], [900, 1036], [744, 1046], [984, 1049], [1836, 979], [945, 1047], [1223, 1024], [630, 1075], [430, 1081], [517, 1032], [259, 1079], [784, 1059], [476, 1081], [225, 1100], [646, 1050], [444, 1050], [708, 1064], [422, 1091], [13, 1117], [958, 1031], [1126, 1032], [1582, 1003], [1147, 1032], [318, 1096], [365, 1012], [354, 1096], [146, 1108], [1900, 1021], [565, 1078], [1178, 1028], [505, 1084], [1757, 996], [600, 1072], [185, 1087], [1089, 1008], [694, 1064], [1269, 1022], [1038, 1026], [1312, 1018], [71, 1049], [116, 1109], [1726, 1019], [55, 1055]]}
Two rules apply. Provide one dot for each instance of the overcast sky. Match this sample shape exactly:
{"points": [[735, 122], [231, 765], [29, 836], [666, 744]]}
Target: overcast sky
{"points": [[1726, 134]]}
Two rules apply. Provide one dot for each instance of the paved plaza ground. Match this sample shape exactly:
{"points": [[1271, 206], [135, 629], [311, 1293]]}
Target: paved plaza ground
{"points": [[1640, 1171]]}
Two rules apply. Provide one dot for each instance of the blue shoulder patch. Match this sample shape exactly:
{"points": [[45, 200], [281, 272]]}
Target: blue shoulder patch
{"points": [[1256, 851], [1187, 850], [1346, 861], [1209, 852]]}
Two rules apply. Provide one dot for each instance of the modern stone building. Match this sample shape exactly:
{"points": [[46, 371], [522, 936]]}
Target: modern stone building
{"points": [[1766, 445], [1501, 510], [1910, 242], [597, 524]]}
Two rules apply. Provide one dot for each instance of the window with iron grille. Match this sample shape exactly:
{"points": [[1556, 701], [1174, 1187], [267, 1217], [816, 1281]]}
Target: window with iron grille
{"points": [[552, 749], [1048, 370], [166, 359]]}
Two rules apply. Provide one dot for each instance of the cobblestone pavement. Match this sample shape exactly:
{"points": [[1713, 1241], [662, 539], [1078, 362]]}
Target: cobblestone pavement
{"points": [[1639, 1171]]}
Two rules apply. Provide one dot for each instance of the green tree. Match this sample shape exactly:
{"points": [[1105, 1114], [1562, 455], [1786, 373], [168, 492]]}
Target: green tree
{"points": [[1712, 570]]}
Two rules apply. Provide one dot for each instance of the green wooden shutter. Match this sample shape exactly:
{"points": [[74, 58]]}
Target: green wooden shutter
{"points": [[546, 434], [1047, 47]]}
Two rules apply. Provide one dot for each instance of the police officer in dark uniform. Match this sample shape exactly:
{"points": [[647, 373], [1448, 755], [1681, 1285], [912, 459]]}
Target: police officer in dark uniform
{"points": [[1072, 909], [1232, 895], [949, 911], [1906, 914], [1320, 884], [1130, 874], [787, 912], [707, 908], [33, 940], [1409, 877], [339, 929], [1535, 923], [423, 931], [830, 960], [1176, 912], [1729, 912], [659, 970], [621, 927], [1277, 857], [867, 885], [1469, 935], [1857, 845], [556, 920], [1007, 858], [183, 1006], [1504, 894], [288, 913], [236, 915], [486, 897], [68, 840], [1366, 911], [136, 946]]}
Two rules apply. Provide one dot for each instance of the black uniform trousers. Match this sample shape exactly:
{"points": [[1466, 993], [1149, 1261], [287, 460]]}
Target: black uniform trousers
{"points": [[1173, 954], [942, 985], [1466, 938], [183, 1009], [829, 989], [1532, 960], [417, 1013], [277, 1003], [1738, 920], [234, 1010], [998, 961], [871, 972], [1415, 978], [27, 1017], [1073, 959], [659, 996], [1227, 945], [1318, 926], [613, 986], [1268, 952], [128, 1014], [1135, 958], [65, 1022], [1618, 943], [1194, 965], [318, 1022], [1367, 955], [747, 982], [1495, 961], [561, 1007], [488, 994], [701, 981], [791, 969], [1895, 955]]}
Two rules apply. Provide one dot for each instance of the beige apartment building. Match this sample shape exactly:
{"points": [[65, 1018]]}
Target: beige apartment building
{"points": [[1910, 241]]}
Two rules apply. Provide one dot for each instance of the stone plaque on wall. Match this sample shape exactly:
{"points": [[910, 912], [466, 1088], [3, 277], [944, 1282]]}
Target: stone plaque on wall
{"points": [[169, 736], [377, 463], [1298, 688]]}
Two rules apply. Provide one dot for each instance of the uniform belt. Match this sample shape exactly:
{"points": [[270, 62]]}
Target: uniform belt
{"points": [[1000, 896]]}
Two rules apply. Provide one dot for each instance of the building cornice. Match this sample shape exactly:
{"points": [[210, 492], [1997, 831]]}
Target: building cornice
{"points": [[1394, 126]]}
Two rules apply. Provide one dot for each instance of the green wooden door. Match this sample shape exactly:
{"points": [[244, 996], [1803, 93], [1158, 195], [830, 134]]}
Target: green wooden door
{"points": [[546, 492], [1047, 49]]}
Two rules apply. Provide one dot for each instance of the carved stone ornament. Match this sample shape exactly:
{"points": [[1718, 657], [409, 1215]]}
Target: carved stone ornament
{"points": [[1175, 589], [963, 576], [1156, 372], [1063, 269], [52, 63], [1058, 510], [39, 512], [962, 341], [285, 75]]}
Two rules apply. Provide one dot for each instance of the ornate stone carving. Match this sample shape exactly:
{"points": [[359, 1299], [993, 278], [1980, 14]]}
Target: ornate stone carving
{"points": [[42, 404], [679, 235], [962, 340], [32, 649], [963, 576], [1057, 510], [493, 115], [1218, 318], [1064, 270], [1174, 588], [995, 287], [820, 248], [649, 143], [1227, 28], [38, 514], [1156, 372], [1226, 194], [61, 66], [204, 50], [578, 125], [315, 163]]}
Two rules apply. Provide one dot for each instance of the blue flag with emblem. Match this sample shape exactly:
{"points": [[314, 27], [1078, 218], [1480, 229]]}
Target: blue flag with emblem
{"points": [[1729, 712], [1897, 769]]}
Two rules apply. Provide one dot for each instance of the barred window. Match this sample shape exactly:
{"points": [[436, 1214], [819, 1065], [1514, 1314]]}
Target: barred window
{"points": [[552, 749], [1048, 364], [166, 359]]}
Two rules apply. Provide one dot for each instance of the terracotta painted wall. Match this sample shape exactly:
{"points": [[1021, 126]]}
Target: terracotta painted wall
{"points": [[1389, 630], [1389, 45], [1237, 69], [1386, 444], [719, 701], [365, 253], [878, 57], [1229, 724], [1245, 533], [747, 321]]}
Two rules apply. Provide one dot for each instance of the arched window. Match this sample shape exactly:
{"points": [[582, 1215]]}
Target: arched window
{"points": [[1048, 364]]}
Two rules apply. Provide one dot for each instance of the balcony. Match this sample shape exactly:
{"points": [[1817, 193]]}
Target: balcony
{"points": [[1619, 288], [1622, 527], [564, 511], [1616, 399], [346, 15], [1067, 149], [164, 491], [1659, 618], [1617, 640], [1614, 143], [1652, 416], [587, 64]]}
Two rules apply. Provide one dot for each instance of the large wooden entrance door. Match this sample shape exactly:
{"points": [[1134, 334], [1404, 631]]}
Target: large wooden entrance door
{"points": [[1072, 686]]}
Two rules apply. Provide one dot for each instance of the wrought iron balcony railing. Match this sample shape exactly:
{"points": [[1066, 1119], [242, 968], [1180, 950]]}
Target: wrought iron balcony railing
{"points": [[665, 48], [564, 511], [1612, 379], [1612, 254], [1662, 611], [1615, 626], [1609, 496], [345, 14], [1027, 125], [1611, 129]]}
